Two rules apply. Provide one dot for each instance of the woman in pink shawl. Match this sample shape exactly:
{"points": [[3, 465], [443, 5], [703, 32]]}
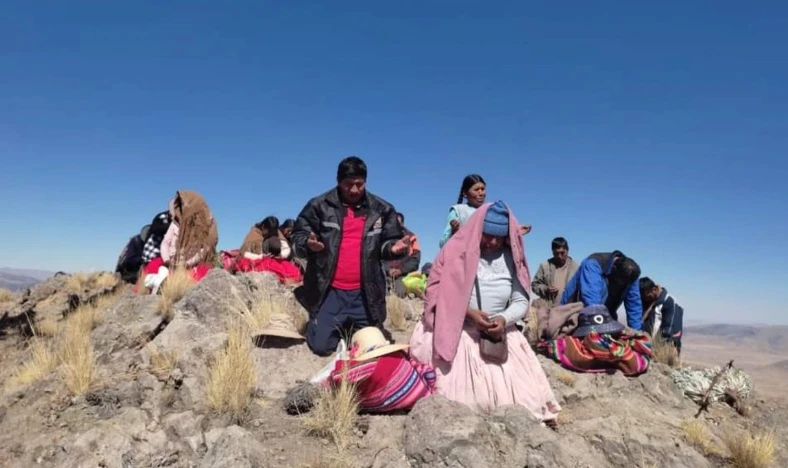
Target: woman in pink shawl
{"points": [[478, 284]]}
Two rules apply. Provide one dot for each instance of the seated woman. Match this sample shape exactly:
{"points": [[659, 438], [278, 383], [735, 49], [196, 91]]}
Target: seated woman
{"points": [[473, 192], [190, 241], [477, 290], [253, 246]]}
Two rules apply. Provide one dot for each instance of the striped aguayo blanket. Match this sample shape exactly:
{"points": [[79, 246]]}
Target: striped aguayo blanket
{"points": [[601, 353]]}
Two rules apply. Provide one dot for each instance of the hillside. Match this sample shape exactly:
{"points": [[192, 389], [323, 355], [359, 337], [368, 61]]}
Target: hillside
{"points": [[14, 279], [119, 380]]}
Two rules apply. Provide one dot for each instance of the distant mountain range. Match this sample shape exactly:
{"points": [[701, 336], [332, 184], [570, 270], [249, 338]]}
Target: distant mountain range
{"points": [[16, 279], [771, 337]]}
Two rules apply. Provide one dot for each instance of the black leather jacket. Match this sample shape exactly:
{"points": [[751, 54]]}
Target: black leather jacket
{"points": [[323, 215]]}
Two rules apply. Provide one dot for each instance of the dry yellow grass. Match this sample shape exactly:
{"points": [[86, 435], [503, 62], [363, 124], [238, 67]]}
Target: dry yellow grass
{"points": [[6, 296], [106, 280], [299, 314], [162, 363], [77, 282], [177, 284], [697, 434], [665, 352], [232, 375], [567, 378], [42, 362], [751, 450], [334, 415], [397, 311], [46, 327], [75, 354]]}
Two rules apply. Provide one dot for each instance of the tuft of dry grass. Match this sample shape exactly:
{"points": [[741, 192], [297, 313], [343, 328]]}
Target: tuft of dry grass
{"points": [[75, 354], [258, 314], [334, 415], [397, 311], [46, 327], [664, 352], [162, 363], [77, 282], [751, 450], [42, 362], [232, 375], [177, 284], [567, 378], [697, 434], [6, 296], [105, 280], [299, 314]]}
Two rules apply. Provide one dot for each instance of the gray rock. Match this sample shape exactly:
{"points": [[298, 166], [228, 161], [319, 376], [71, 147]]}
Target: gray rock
{"points": [[232, 447]]}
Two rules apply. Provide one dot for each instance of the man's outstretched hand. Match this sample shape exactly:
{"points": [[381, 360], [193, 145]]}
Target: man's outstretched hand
{"points": [[313, 244], [402, 245]]}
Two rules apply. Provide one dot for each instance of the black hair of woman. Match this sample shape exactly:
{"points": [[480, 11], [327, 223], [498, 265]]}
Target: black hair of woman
{"points": [[467, 183], [270, 226]]}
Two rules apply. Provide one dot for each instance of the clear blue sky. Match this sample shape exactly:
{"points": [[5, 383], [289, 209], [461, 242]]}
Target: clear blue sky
{"points": [[659, 129]]}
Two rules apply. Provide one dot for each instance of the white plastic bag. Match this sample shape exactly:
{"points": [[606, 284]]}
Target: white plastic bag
{"points": [[325, 372]]}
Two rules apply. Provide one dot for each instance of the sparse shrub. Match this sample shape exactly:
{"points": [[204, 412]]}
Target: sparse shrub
{"points": [[42, 361], [664, 352], [697, 434], [567, 378], [177, 284], [232, 375], [397, 311], [751, 450], [75, 353], [334, 414]]}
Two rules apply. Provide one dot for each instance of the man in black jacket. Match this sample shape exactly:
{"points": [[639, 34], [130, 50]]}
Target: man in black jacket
{"points": [[346, 234], [662, 316]]}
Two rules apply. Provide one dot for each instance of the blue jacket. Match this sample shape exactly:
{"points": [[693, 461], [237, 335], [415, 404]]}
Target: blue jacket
{"points": [[589, 286]]}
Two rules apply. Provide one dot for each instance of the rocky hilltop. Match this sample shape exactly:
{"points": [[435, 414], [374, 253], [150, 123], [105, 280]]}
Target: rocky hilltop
{"points": [[94, 375]]}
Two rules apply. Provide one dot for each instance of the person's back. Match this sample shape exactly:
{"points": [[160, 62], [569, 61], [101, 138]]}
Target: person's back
{"points": [[609, 279]]}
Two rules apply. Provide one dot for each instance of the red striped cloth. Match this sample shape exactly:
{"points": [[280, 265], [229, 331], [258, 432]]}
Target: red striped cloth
{"points": [[389, 383]]}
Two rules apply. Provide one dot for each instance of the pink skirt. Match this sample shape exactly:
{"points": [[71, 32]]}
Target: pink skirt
{"points": [[484, 386]]}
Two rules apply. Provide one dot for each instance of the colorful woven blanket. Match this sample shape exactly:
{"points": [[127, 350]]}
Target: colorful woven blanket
{"points": [[388, 383], [601, 353]]}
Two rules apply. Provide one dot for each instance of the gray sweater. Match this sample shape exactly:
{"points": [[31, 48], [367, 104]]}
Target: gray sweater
{"points": [[501, 291]]}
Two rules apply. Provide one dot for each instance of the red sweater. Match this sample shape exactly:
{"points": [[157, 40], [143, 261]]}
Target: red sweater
{"points": [[348, 274]]}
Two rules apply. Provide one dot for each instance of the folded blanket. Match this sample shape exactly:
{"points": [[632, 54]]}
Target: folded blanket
{"points": [[601, 353]]}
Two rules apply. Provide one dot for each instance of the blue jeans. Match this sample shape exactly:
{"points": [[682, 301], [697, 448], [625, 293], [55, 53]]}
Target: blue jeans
{"points": [[339, 316]]}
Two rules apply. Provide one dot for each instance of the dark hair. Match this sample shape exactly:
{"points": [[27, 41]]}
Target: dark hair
{"points": [[646, 283], [469, 181], [559, 242], [272, 246], [628, 268], [351, 167], [270, 225], [289, 223]]}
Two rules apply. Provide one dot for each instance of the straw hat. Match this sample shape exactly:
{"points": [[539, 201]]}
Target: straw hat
{"points": [[370, 343], [280, 325]]}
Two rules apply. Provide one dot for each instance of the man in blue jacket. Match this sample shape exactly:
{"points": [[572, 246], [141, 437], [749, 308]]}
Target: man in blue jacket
{"points": [[608, 278]]}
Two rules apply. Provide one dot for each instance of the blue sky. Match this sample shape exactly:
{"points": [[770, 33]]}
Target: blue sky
{"points": [[658, 129]]}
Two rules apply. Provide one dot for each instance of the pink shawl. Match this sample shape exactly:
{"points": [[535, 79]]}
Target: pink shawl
{"points": [[452, 277]]}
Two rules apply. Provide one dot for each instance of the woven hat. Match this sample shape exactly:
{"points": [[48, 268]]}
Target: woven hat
{"points": [[280, 325], [596, 318], [369, 343]]}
